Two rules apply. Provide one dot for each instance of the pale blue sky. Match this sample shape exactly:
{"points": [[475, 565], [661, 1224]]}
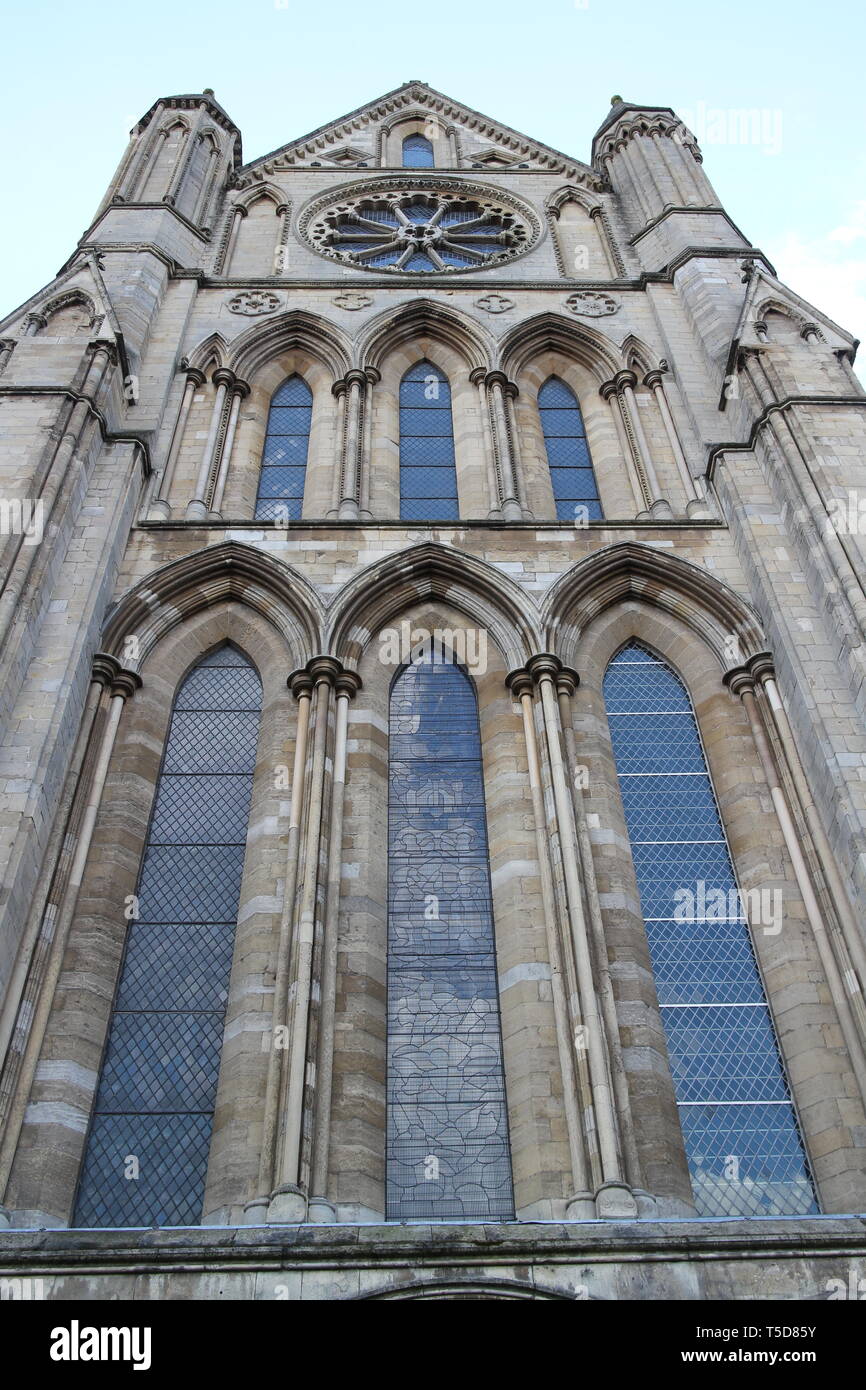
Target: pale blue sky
{"points": [[77, 75]]}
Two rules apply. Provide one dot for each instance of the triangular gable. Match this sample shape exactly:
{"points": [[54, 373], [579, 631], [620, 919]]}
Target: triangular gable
{"points": [[495, 141]]}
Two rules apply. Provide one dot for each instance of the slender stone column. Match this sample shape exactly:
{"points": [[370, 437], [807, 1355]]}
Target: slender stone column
{"points": [[659, 506], [477, 375], [566, 684], [237, 218], [340, 392], [7, 347], [511, 393], [240, 389], [366, 459], [321, 1209], [119, 685], [614, 1197], [509, 502], [356, 383], [610, 393], [289, 1200], [161, 505], [281, 244], [580, 1203], [597, 215], [741, 683], [197, 506], [695, 503], [301, 687]]}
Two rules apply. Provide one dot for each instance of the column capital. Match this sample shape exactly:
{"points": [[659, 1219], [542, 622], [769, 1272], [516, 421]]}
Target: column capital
{"points": [[739, 681], [544, 664], [519, 682], [356, 377], [654, 379], [623, 380], [193, 374], [240, 388], [324, 668], [125, 684], [373, 375], [300, 684], [496, 378], [348, 683], [338, 388], [608, 389], [567, 681], [762, 667], [512, 390], [105, 668], [478, 374], [223, 376]]}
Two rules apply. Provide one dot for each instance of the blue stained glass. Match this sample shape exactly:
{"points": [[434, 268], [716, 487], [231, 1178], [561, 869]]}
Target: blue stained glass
{"points": [[157, 1087], [447, 1129], [428, 477], [417, 152], [571, 473], [742, 1141], [284, 459]]}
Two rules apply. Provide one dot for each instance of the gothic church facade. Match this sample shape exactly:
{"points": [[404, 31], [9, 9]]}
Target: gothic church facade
{"points": [[433, 722]]}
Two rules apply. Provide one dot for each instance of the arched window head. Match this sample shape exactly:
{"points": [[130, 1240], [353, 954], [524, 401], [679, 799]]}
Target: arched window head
{"points": [[571, 473], [147, 1150], [417, 152], [447, 1131], [740, 1131], [428, 476], [284, 461]]}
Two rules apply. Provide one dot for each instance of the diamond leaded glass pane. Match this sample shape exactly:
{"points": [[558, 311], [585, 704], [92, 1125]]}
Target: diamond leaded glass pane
{"points": [[147, 1150], [575, 490], [447, 1134], [740, 1130], [284, 460], [428, 477]]}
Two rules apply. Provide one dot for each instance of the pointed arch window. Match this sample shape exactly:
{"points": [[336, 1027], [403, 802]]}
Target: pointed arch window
{"points": [[428, 476], [284, 461], [447, 1130], [572, 476], [740, 1130], [418, 152], [147, 1151]]}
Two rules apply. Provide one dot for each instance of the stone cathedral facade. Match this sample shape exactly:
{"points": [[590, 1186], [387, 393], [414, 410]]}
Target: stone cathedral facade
{"points": [[433, 725]]}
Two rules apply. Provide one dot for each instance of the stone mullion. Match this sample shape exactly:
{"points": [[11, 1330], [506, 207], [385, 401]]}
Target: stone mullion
{"points": [[848, 1003], [321, 1209], [566, 684], [119, 685], [580, 1201], [289, 1199], [613, 1197]]}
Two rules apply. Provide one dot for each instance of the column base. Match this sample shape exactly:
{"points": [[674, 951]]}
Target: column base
{"points": [[287, 1206], [699, 510], [159, 510], [662, 510], [580, 1207], [615, 1201], [349, 510], [256, 1212], [511, 511], [196, 510], [321, 1210], [647, 1206], [5, 1219]]}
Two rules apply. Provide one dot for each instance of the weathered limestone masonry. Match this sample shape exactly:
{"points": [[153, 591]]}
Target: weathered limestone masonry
{"points": [[727, 434]]}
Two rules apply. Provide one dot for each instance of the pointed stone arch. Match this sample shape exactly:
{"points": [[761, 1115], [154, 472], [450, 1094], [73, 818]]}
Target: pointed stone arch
{"points": [[570, 193], [210, 353], [425, 319], [549, 331], [223, 573], [298, 328], [637, 356], [381, 592], [256, 193], [677, 587]]}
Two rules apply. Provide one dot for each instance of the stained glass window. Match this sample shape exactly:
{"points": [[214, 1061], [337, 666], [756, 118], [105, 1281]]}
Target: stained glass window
{"points": [[417, 152], [740, 1130], [447, 1133], [428, 477], [147, 1151], [571, 473], [284, 462]]}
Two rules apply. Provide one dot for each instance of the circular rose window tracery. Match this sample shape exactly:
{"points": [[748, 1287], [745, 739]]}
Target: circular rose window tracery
{"points": [[420, 230]]}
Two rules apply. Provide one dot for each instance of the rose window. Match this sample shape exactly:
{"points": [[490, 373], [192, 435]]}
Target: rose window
{"points": [[420, 231]]}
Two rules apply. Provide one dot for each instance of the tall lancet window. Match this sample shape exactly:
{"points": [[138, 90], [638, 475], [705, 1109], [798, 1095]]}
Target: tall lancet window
{"points": [[741, 1135], [575, 490], [447, 1141], [417, 152], [428, 476], [284, 461], [147, 1150]]}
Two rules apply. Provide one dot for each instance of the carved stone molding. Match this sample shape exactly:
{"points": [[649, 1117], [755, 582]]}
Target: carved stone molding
{"points": [[252, 303], [352, 300], [494, 303], [591, 304]]}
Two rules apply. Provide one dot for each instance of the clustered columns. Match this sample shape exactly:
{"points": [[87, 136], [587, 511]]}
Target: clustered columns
{"points": [[355, 404], [293, 1173], [30, 998], [496, 398], [216, 459], [238, 214], [635, 448], [603, 1154], [834, 926], [695, 502]]}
